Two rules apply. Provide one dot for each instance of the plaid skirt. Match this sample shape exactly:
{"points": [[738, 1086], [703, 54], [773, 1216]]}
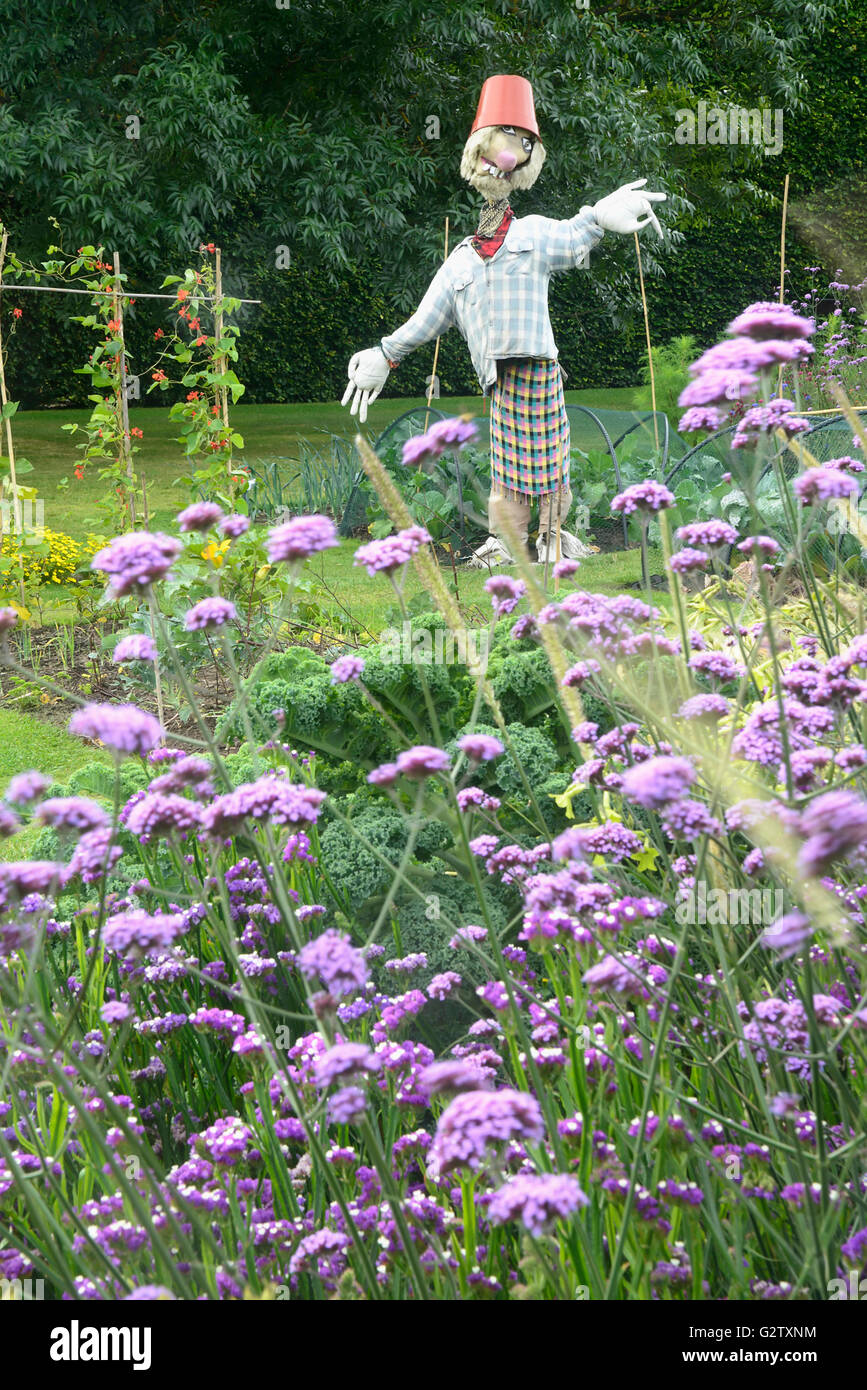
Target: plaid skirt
{"points": [[529, 429]]}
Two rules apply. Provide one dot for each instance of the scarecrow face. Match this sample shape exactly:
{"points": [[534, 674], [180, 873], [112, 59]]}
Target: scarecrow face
{"points": [[500, 158]]}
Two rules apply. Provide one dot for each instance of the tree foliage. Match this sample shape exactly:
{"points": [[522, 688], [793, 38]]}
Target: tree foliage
{"points": [[319, 143], [340, 127]]}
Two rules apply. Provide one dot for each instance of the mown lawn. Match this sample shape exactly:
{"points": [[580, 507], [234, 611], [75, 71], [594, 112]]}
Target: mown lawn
{"points": [[351, 605], [268, 431], [28, 742], [373, 603]]}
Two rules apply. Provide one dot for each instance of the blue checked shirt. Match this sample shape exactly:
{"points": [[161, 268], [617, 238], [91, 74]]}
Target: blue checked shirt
{"points": [[500, 304]]}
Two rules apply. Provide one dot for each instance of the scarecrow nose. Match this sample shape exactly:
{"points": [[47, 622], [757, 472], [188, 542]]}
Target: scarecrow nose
{"points": [[506, 161]]}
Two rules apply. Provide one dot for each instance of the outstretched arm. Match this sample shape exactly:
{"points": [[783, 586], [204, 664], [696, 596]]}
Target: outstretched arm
{"points": [[435, 315], [567, 242], [368, 370]]}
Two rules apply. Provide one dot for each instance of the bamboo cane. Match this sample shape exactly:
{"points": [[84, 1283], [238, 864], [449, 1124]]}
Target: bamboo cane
{"points": [[436, 345], [558, 554], [548, 539], [158, 685], [218, 288], [126, 451], [783, 267], [10, 447], [647, 336], [91, 294]]}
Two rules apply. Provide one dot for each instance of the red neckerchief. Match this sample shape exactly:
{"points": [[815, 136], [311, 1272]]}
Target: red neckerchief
{"points": [[487, 246]]}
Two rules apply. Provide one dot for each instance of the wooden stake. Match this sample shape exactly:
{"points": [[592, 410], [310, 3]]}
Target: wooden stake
{"points": [[436, 345], [783, 239], [558, 550], [218, 288], [144, 501], [647, 336], [126, 450], [157, 681], [10, 447], [783, 267], [547, 538]]}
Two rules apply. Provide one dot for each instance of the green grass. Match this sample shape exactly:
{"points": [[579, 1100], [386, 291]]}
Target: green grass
{"points": [[27, 742], [352, 605], [268, 430], [370, 600]]}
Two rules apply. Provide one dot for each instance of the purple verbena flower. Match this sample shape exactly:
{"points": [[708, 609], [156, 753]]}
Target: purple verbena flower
{"points": [[480, 748], [477, 1121], [78, 813], [537, 1200], [384, 556], [834, 824], [718, 388], [159, 815], [186, 771], [124, 728], [761, 420], [763, 545], [824, 484], [443, 985], [689, 559], [27, 787], [646, 497], [335, 961], [199, 516], [750, 355], [710, 535], [788, 935], [135, 560], [766, 319], [505, 593], [657, 781], [346, 668], [300, 538], [94, 855], [700, 418], [345, 1060], [138, 933], [455, 1076], [115, 1011], [270, 798], [136, 647], [445, 434], [210, 613], [347, 1105], [234, 525], [421, 761], [710, 708]]}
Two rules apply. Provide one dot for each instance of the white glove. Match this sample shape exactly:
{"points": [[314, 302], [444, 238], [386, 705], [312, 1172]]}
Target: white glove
{"points": [[620, 211], [368, 373]]}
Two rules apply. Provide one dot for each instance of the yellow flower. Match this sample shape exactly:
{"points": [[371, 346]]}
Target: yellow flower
{"points": [[216, 553], [564, 799]]}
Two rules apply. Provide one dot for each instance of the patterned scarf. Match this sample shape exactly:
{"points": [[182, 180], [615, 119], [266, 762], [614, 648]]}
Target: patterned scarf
{"points": [[494, 222]]}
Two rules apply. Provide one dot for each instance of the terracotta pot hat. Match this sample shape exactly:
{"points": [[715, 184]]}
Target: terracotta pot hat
{"points": [[506, 100]]}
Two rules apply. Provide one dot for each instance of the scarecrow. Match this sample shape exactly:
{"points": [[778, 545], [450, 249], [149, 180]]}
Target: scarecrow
{"points": [[494, 289]]}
